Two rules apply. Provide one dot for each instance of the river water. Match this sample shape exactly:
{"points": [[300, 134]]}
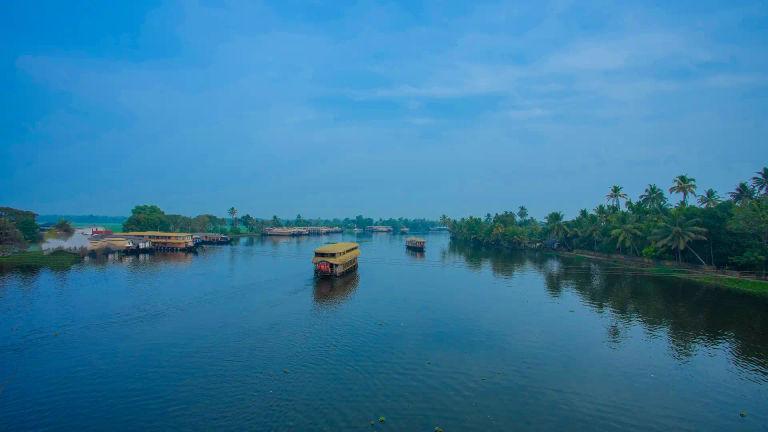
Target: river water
{"points": [[243, 337]]}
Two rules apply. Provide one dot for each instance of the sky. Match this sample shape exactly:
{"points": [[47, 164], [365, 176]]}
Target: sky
{"points": [[387, 109]]}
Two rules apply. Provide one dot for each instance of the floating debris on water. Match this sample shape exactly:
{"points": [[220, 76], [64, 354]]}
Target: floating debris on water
{"points": [[438, 429], [382, 419], [285, 371], [742, 413]]}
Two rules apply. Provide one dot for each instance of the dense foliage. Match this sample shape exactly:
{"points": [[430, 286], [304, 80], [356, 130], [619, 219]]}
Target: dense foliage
{"points": [[152, 218], [724, 233], [359, 221], [24, 221], [64, 227]]}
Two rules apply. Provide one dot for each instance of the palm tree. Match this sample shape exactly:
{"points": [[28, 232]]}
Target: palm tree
{"points": [[760, 181], [591, 228], [676, 233], [445, 220], [710, 199], [233, 213], [522, 213], [625, 235], [616, 195], [743, 194], [684, 185], [556, 226], [602, 213], [653, 197]]}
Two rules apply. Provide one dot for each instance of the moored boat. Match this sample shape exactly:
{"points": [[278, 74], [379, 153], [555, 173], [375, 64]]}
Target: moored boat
{"points": [[415, 243], [163, 240], [335, 259]]}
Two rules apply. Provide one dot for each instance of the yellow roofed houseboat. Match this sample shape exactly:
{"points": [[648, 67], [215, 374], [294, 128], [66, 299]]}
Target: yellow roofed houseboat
{"points": [[335, 259], [164, 240], [415, 243]]}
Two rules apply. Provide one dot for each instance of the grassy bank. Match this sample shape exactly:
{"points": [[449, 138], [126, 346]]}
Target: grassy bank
{"points": [[725, 281], [751, 285], [58, 260]]}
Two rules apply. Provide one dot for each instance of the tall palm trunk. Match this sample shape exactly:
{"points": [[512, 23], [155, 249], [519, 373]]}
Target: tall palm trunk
{"points": [[697, 256]]}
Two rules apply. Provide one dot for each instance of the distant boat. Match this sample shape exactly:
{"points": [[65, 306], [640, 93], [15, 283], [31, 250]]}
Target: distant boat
{"points": [[379, 228], [357, 230], [404, 230], [439, 228], [335, 259], [271, 231], [415, 243]]}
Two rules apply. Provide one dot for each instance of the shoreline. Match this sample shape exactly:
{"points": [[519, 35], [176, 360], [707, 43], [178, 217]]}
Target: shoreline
{"points": [[56, 260], [701, 275]]}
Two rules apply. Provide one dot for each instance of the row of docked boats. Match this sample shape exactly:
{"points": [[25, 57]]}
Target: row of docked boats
{"points": [[300, 231], [322, 230], [336, 259], [149, 241]]}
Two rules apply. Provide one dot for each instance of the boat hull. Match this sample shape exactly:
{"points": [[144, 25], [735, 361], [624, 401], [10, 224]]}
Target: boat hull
{"points": [[334, 270]]}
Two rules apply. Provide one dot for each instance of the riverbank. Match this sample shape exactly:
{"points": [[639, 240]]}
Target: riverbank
{"points": [[705, 275], [57, 260]]}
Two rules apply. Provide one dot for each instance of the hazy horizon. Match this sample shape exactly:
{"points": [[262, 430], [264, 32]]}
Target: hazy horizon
{"points": [[409, 109]]}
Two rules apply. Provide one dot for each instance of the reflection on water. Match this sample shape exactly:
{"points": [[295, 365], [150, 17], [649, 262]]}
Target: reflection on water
{"points": [[696, 317], [335, 290], [457, 338], [153, 258], [76, 240], [417, 254]]}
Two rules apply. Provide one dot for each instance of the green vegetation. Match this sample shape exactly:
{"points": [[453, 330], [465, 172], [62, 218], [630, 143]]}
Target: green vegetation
{"points": [[64, 227], [11, 239], [57, 260], [152, 218], [24, 221], [730, 234]]}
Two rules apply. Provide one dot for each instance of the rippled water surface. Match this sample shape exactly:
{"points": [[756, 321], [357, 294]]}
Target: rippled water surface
{"points": [[243, 337]]}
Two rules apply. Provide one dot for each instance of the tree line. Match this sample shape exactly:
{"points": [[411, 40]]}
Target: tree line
{"points": [[19, 228], [152, 218], [702, 228]]}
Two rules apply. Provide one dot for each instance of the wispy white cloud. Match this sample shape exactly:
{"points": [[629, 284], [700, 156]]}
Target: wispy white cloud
{"points": [[256, 88]]}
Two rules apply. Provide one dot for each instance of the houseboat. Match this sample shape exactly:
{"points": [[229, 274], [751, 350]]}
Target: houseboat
{"points": [[120, 244], [415, 243], [335, 259], [378, 228], [164, 240], [288, 232], [210, 238], [322, 230]]}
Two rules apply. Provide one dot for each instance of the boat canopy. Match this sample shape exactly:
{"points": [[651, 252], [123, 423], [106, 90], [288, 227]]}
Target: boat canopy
{"points": [[335, 248], [336, 253]]}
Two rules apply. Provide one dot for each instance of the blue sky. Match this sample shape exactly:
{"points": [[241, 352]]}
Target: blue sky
{"points": [[381, 108]]}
